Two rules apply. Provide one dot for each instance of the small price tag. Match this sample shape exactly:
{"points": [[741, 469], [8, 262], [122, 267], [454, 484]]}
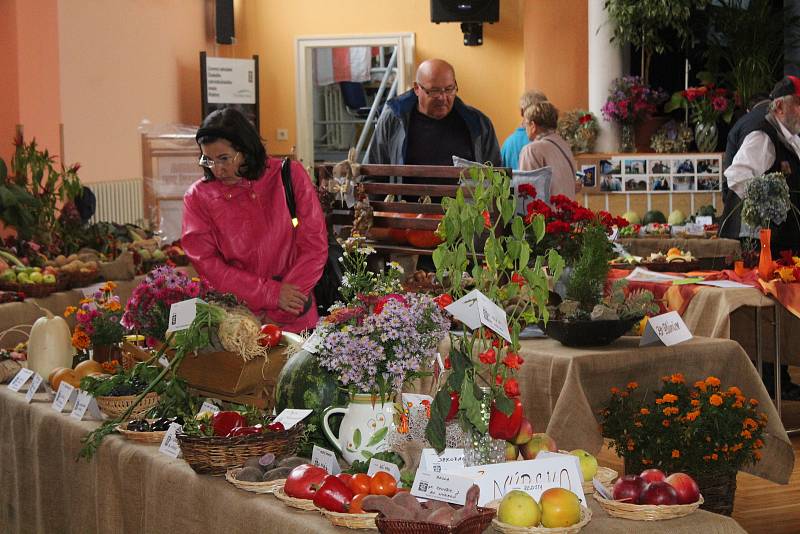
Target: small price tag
{"points": [[91, 290], [313, 343], [35, 384], [291, 416], [65, 393], [449, 460], [568, 457], [169, 444], [666, 329], [181, 314], [475, 308], [703, 220], [695, 229], [209, 406], [410, 400], [325, 459], [19, 379], [84, 404], [163, 360], [447, 487], [601, 490], [381, 465]]}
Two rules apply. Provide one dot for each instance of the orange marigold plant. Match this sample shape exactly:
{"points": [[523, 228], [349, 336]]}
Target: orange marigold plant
{"points": [[97, 319], [700, 428]]}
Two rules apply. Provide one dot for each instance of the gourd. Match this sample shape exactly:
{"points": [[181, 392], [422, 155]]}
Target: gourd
{"points": [[49, 345], [425, 238]]}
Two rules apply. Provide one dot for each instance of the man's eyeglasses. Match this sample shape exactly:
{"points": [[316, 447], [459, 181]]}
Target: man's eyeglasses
{"points": [[222, 161], [435, 91]]}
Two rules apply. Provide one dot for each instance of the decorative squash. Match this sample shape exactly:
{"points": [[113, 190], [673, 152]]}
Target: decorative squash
{"points": [[50, 344], [425, 238]]}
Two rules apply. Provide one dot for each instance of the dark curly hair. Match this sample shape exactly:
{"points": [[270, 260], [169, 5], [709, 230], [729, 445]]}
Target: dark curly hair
{"points": [[231, 125]]}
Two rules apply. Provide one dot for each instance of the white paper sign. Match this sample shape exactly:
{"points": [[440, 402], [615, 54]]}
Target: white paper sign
{"points": [[447, 487], [291, 416], [667, 329], [724, 284], [695, 229], [312, 344], [549, 454], [169, 444], [35, 384], [475, 308], [411, 400], [209, 406], [65, 393], [84, 404], [449, 460], [325, 459], [230, 81], [19, 379], [181, 314], [601, 490], [703, 220], [530, 476], [380, 465], [87, 292]]}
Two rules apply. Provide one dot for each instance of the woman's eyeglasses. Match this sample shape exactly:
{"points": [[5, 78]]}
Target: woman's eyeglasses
{"points": [[222, 161]]}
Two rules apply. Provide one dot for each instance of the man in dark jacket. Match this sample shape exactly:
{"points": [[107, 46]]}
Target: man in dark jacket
{"points": [[429, 124]]}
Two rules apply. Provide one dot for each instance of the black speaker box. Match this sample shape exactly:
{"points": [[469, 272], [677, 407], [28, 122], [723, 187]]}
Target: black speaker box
{"points": [[224, 22], [465, 11]]}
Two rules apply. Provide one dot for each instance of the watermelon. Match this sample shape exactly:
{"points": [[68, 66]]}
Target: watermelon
{"points": [[303, 384], [654, 216]]}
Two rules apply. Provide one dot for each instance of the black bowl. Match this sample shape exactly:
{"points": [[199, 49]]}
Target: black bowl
{"points": [[587, 333]]}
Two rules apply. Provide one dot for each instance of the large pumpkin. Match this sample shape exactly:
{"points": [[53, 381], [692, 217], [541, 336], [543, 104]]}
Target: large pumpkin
{"points": [[424, 238]]}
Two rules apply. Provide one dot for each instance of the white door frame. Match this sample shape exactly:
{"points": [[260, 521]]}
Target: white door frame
{"points": [[304, 91]]}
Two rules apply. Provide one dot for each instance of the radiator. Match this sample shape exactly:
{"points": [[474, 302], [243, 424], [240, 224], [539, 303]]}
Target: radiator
{"points": [[119, 201]]}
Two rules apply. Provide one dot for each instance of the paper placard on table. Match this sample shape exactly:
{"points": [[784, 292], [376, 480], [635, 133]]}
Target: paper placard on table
{"points": [[548, 454], [695, 229], [475, 308], [88, 292], [703, 220], [381, 465], [169, 443], [724, 283], [291, 416], [181, 314], [640, 274], [601, 490], [209, 406], [449, 460], [19, 379], [312, 344], [530, 476], [667, 329], [325, 459], [447, 487], [36, 383], [65, 393], [85, 403]]}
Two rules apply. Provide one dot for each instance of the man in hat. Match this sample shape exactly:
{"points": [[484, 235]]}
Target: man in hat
{"points": [[773, 146]]}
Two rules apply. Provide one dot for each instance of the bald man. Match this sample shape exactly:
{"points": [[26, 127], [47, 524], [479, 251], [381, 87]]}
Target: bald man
{"points": [[429, 124]]}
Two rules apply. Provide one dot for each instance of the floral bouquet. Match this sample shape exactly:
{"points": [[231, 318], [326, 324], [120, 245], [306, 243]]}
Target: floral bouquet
{"points": [[579, 128], [706, 104], [766, 200], [630, 100], [704, 429], [147, 311], [98, 319]]}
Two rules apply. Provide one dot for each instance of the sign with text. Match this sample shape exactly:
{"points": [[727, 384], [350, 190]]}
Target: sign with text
{"points": [[230, 81], [19, 379], [85, 404], [66, 392], [36, 383], [209, 406], [410, 400], [88, 292], [291, 416], [325, 459], [169, 443], [475, 308], [380, 465], [666, 329], [181, 314], [449, 460], [548, 454], [447, 487]]}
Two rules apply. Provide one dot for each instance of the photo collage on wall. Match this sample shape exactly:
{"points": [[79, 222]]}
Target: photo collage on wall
{"points": [[655, 173]]}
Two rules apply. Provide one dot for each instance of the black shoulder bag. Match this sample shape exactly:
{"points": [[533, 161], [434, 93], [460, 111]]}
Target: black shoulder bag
{"points": [[326, 292]]}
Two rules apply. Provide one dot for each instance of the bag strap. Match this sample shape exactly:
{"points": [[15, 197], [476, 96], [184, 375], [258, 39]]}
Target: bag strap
{"points": [[286, 176], [569, 160]]}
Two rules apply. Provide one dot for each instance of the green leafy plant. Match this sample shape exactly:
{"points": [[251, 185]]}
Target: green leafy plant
{"points": [[585, 285]]}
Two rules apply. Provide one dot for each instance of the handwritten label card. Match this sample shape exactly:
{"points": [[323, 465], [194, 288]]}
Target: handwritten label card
{"points": [[380, 465], [325, 459], [170, 444], [19, 379], [695, 229], [36, 383], [449, 460], [291, 416], [475, 308], [447, 487], [666, 329], [88, 292], [704, 220], [312, 344], [410, 400], [84, 404], [549, 454], [181, 314], [66, 392]]}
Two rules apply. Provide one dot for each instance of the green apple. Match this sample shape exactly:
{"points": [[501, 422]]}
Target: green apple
{"points": [[560, 508], [22, 278], [49, 278], [36, 277], [519, 509], [512, 453], [158, 254], [9, 275], [588, 464], [145, 254]]}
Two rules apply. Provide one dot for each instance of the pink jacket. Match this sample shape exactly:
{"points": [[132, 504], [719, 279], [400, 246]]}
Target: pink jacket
{"points": [[240, 237]]}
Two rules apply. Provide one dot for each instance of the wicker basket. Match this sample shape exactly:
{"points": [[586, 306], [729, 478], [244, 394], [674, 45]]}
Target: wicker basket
{"points": [[646, 512], [605, 475], [79, 279], [300, 504], [719, 492], [253, 487], [212, 455], [586, 516], [152, 438], [472, 525], [117, 406], [364, 521], [31, 291]]}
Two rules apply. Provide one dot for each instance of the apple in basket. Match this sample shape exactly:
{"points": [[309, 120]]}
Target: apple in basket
{"points": [[628, 488], [659, 493], [653, 475], [304, 480], [685, 486]]}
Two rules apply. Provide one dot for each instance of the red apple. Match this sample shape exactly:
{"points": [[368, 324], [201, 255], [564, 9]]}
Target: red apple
{"points": [[629, 488], [659, 493], [512, 453], [524, 434], [539, 442], [685, 486], [653, 475]]}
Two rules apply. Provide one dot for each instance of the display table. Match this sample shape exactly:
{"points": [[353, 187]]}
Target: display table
{"points": [[722, 250], [564, 388], [130, 487]]}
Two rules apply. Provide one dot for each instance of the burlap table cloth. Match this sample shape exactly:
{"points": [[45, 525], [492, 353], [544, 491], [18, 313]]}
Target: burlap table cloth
{"points": [[563, 388], [129, 487], [700, 248]]}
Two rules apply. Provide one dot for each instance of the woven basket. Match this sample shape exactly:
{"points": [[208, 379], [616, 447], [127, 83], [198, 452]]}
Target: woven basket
{"points": [[586, 516], [646, 512], [472, 525], [32, 291], [117, 406], [253, 487], [212, 455], [153, 438], [300, 504], [718, 492], [605, 475], [355, 521], [79, 279]]}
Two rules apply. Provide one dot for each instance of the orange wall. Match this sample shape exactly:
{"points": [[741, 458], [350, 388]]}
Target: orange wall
{"points": [[9, 90], [490, 76], [556, 50]]}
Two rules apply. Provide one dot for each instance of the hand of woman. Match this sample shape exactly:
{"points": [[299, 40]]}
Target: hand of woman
{"points": [[291, 299]]}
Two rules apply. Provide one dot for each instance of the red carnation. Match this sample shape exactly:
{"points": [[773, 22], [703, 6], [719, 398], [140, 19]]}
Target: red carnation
{"points": [[513, 360], [511, 388]]}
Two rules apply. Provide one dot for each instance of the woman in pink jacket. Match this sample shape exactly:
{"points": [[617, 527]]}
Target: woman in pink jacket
{"points": [[237, 230]]}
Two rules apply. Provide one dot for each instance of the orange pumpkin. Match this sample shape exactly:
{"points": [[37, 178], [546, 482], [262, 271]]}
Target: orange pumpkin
{"points": [[425, 238]]}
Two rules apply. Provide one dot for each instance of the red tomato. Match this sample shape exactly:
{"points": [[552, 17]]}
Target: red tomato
{"points": [[360, 483], [270, 335], [383, 484], [355, 504]]}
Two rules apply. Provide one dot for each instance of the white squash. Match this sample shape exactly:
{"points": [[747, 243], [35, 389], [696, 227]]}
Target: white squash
{"points": [[50, 344]]}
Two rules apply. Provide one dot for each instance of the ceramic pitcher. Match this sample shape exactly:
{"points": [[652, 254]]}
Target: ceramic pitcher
{"points": [[364, 428]]}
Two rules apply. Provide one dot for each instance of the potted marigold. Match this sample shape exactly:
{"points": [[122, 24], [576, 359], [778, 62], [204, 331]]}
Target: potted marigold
{"points": [[705, 430], [98, 323]]}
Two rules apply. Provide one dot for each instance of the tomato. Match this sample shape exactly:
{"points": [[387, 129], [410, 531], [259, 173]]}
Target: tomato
{"points": [[360, 483], [355, 504], [383, 484], [270, 335]]}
